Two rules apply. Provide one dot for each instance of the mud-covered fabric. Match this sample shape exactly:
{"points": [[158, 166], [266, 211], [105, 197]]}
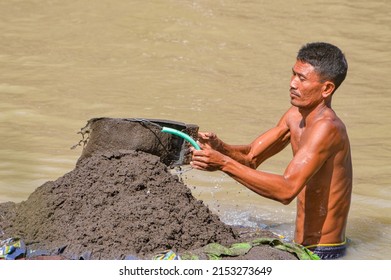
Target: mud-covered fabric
{"points": [[112, 134], [215, 251], [12, 249]]}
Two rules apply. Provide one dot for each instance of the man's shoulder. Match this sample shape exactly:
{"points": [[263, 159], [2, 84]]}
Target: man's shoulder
{"points": [[328, 130], [291, 114], [330, 122], [291, 119]]}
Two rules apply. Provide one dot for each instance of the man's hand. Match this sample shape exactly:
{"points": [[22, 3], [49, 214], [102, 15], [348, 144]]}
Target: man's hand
{"points": [[209, 140], [207, 159]]}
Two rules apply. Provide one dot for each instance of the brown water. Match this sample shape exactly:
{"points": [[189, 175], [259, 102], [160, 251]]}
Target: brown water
{"points": [[224, 65]]}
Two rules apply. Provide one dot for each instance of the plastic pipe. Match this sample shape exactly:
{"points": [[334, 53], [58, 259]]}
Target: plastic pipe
{"points": [[182, 135]]}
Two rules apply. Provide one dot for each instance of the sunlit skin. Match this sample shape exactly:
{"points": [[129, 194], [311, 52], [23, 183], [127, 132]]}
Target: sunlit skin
{"points": [[320, 172]]}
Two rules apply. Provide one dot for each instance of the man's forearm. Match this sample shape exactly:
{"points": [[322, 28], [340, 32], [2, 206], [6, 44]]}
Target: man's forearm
{"points": [[239, 153], [266, 184]]}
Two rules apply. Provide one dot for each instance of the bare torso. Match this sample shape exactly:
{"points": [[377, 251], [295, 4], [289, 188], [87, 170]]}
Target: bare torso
{"points": [[323, 204], [320, 172]]}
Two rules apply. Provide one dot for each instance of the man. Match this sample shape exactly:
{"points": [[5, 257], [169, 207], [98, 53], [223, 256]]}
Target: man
{"points": [[320, 173]]}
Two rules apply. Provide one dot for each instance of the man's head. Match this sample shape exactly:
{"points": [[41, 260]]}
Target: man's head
{"points": [[328, 61]]}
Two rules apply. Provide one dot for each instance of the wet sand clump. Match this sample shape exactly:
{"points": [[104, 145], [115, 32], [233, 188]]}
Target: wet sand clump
{"points": [[112, 205]]}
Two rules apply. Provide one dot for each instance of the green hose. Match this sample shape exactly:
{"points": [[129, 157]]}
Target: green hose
{"points": [[182, 135]]}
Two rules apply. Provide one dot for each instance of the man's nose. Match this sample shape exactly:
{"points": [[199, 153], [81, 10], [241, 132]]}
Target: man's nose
{"points": [[293, 83]]}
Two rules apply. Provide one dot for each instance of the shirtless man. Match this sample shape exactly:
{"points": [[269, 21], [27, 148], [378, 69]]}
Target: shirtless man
{"points": [[320, 173]]}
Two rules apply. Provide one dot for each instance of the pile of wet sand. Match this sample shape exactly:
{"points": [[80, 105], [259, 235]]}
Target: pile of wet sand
{"points": [[114, 204]]}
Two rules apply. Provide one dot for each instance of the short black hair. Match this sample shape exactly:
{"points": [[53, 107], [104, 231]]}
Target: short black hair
{"points": [[328, 60]]}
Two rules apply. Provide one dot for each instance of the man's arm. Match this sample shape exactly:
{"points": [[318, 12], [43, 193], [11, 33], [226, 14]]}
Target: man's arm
{"points": [[316, 147], [252, 155]]}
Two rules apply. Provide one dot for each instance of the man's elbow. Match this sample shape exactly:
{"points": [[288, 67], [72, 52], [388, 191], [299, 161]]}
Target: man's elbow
{"points": [[287, 200], [290, 194]]}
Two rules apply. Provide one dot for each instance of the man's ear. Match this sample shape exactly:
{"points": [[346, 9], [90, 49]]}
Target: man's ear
{"points": [[328, 89]]}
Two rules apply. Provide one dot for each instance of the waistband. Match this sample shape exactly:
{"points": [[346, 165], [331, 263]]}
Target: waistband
{"points": [[327, 245]]}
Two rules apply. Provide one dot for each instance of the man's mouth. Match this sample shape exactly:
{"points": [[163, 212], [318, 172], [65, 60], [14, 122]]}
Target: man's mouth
{"points": [[294, 93]]}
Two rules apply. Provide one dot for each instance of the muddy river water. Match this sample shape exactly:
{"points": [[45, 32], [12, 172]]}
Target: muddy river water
{"points": [[224, 65]]}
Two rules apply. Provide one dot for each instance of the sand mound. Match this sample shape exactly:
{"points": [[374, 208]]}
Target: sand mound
{"points": [[113, 205], [122, 201]]}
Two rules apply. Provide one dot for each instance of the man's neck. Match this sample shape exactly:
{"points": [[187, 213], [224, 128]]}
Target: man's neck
{"points": [[312, 114]]}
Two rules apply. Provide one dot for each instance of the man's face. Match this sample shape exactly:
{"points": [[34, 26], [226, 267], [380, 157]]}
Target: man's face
{"points": [[305, 87]]}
